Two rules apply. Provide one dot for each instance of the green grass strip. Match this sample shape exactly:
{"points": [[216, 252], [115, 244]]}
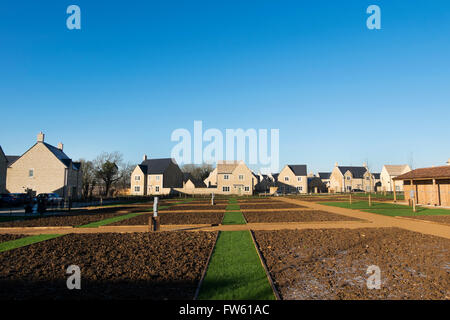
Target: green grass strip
{"points": [[233, 218], [104, 222], [232, 200], [235, 271], [26, 241], [233, 207], [388, 209]]}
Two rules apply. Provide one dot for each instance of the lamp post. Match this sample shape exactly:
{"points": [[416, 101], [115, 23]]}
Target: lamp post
{"points": [[155, 220]]}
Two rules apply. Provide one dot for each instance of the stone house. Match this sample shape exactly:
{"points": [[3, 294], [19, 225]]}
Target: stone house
{"points": [[350, 178], [293, 179], [156, 177], [44, 169], [388, 173]]}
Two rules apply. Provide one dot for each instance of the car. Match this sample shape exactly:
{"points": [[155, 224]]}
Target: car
{"points": [[6, 200], [20, 198], [49, 198], [357, 190]]}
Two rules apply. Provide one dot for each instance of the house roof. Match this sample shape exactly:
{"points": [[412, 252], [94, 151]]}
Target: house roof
{"points": [[324, 175], [298, 169], [395, 170], [227, 166], [156, 166], [376, 175], [426, 173], [357, 172], [11, 159], [2, 153]]}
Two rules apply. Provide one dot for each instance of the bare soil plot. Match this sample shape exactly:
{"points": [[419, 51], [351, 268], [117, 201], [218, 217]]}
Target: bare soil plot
{"points": [[158, 266], [444, 219], [332, 264], [196, 207], [174, 218], [294, 216], [9, 237], [278, 205], [69, 219]]}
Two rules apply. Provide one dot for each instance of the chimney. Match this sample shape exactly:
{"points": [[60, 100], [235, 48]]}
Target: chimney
{"points": [[365, 165], [448, 162], [60, 146], [145, 157], [336, 164], [40, 137]]}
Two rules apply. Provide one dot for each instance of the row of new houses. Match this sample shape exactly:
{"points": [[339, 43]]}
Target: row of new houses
{"points": [[44, 168], [163, 176]]}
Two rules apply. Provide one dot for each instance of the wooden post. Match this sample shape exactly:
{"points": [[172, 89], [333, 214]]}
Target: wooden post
{"points": [[370, 200], [350, 198], [414, 203], [393, 188]]}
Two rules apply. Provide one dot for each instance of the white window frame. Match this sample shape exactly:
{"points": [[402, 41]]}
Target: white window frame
{"points": [[31, 170], [286, 178], [157, 178], [225, 189], [137, 178], [299, 188], [241, 177], [246, 189], [226, 177], [137, 188], [299, 179], [156, 188]]}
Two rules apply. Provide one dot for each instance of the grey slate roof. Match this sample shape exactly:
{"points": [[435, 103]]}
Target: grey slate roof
{"points": [[376, 175], [324, 175], [357, 172], [57, 152], [298, 169], [155, 166], [12, 159]]}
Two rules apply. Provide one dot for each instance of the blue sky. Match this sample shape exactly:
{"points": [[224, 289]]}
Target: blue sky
{"points": [[137, 70]]}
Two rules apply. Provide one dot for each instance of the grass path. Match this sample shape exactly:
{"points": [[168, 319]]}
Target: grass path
{"points": [[235, 271], [233, 215], [26, 241], [388, 209]]}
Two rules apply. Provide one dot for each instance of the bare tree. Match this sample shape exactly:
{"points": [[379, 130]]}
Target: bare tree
{"points": [[107, 169], [88, 179], [200, 172]]}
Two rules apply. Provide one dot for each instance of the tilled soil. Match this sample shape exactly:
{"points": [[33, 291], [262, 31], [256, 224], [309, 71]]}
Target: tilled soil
{"points": [[332, 263], [157, 266], [174, 218], [9, 237], [197, 208], [295, 216], [270, 206], [439, 219], [70, 219]]}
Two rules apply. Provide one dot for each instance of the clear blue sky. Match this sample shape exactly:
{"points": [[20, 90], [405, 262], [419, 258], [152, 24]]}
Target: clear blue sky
{"points": [[137, 70]]}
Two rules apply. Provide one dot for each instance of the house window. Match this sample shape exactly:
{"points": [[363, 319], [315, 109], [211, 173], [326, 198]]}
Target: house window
{"points": [[246, 189], [299, 179], [226, 189], [157, 178], [286, 178], [137, 189], [241, 177], [31, 173], [137, 178], [299, 188], [226, 177], [157, 189], [348, 178]]}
